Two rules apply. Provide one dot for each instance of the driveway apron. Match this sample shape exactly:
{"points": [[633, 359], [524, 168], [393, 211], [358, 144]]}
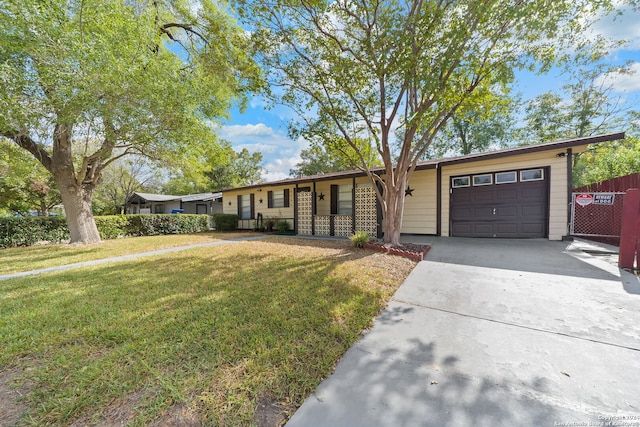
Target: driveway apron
{"points": [[492, 332]]}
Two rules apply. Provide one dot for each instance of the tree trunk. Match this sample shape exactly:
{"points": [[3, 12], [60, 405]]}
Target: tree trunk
{"points": [[77, 206], [393, 209]]}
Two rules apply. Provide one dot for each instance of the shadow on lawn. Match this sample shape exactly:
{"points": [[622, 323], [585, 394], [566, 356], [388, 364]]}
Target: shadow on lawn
{"points": [[213, 330]]}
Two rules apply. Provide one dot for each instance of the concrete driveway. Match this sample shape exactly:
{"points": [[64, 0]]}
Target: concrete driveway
{"points": [[494, 333]]}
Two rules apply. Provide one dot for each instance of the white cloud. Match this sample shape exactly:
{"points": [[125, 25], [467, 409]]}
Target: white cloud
{"points": [[245, 131], [623, 26], [622, 83], [279, 152], [279, 168]]}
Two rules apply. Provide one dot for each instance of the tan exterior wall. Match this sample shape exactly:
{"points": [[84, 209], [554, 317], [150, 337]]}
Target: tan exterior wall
{"points": [[420, 209], [230, 202], [558, 199]]}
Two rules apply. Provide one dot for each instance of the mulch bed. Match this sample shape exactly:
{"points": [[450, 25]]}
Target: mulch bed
{"points": [[408, 250]]}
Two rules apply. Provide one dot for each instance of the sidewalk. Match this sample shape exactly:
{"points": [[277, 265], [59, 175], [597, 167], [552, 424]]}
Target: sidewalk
{"points": [[126, 257]]}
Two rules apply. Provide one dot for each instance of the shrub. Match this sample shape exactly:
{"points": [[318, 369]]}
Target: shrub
{"points": [[359, 239], [112, 226], [26, 231], [282, 226], [225, 222], [269, 224], [152, 225]]}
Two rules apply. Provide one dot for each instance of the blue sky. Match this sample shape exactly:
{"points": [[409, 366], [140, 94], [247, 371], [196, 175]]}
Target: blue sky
{"points": [[265, 130]]}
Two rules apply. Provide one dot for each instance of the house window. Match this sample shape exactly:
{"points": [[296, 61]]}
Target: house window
{"points": [[342, 199], [531, 175], [462, 181], [345, 199], [158, 209], [506, 177], [245, 206], [278, 199], [483, 180]]}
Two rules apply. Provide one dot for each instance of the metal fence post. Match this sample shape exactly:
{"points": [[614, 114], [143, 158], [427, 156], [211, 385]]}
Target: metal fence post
{"points": [[630, 234]]}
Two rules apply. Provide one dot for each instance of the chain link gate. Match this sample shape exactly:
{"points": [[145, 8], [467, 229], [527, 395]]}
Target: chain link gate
{"points": [[596, 215]]}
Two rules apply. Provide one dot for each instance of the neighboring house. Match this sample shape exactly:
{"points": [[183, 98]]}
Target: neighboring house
{"points": [[521, 192], [145, 203]]}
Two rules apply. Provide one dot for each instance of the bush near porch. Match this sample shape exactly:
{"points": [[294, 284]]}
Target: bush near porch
{"points": [[27, 231]]}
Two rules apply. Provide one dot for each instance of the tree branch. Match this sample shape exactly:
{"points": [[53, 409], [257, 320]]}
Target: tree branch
{"points": [[31, 146]]}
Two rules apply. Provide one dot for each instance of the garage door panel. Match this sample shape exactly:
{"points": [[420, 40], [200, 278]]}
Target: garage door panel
{"points": [[507, 194], [483, 212], [483, 195], [537, 191], [529, 211], [506, 228], [483, 230], [533, 229], [461, 213], [462, 196], [504, 212]]}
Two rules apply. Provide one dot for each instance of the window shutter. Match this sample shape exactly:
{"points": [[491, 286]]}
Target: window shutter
{"points": [[239, 206], [334, 199], [286, 197], [270, 199], [252, 206]]}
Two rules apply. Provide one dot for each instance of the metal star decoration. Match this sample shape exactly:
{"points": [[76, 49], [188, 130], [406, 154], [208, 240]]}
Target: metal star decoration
{"points": [[320, 196], [408, 191]]}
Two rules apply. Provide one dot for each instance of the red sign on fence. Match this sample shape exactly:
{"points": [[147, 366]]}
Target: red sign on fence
{"points": [[584, 199]]}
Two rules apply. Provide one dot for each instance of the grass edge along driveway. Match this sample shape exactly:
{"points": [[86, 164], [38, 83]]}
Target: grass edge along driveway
{"points": [[212, 335]]}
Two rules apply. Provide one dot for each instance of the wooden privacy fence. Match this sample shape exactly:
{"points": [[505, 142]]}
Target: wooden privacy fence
{"points": [[597, 215]]}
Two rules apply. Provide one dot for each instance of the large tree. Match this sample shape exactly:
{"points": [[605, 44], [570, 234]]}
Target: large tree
{"points": [[324, 156], [138, 76], [588, 104], [491, 125], [369, 68], [217, 169]]}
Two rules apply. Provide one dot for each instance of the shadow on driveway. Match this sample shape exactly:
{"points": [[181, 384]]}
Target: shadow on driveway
{"points": [[493, 332]]}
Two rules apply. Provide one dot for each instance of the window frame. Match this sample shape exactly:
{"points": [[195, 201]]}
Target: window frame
{"points": [[454, 185], [515, 177], [473, 179], [541, 170]]}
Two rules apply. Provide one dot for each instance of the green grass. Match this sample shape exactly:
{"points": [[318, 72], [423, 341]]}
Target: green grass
{"points": [[213, 331], [16, 260]]}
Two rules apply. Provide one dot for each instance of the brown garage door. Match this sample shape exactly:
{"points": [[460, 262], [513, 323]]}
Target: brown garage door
{"points": [[511, 204]]}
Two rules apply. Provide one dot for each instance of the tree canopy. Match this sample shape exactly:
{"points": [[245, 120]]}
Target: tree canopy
{"points": [[139, 77], [374, 69]]}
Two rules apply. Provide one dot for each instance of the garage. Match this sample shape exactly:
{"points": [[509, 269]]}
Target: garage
{"points": [[507, 204]]}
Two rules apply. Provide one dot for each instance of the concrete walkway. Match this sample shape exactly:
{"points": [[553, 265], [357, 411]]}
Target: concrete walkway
{"points": [[494, 333], [126, 257]]}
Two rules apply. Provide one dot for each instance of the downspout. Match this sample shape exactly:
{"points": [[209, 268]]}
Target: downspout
{"points": [[313, 210], [353, 205], [568, 237], [438, 200], [295, 210]]}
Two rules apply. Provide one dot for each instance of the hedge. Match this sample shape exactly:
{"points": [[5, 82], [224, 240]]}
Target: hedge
{"points": [[225, 222], [27, 231]]}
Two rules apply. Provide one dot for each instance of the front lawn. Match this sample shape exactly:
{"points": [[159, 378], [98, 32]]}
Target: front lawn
{"points": [[14, 260], [237, 334]]}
